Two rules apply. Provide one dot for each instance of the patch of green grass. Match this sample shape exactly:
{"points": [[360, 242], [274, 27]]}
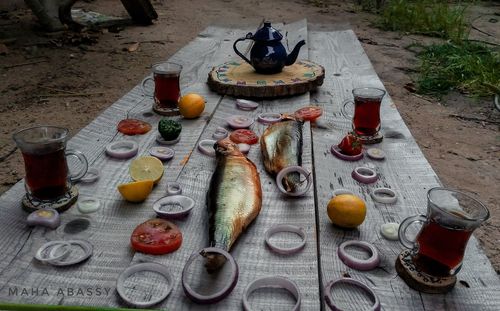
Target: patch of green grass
{"points": [[467, 67], [429, 17]]}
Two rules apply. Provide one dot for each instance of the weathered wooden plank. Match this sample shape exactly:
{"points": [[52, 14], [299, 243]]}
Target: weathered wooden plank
{"points": [[254, 259], [110, 228], [405, 170]]}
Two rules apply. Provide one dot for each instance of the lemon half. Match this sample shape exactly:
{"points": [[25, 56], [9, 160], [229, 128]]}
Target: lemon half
{"points": [[144, 168], [136, 191]]}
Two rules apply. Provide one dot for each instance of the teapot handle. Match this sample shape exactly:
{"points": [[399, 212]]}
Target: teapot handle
{"points": [[248, 36]]}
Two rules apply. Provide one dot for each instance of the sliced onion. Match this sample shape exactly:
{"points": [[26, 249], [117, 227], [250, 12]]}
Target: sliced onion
{"points": [[272, 282], [356, 263], [291, 169], [220, 133], [91, 175], [54, 247], [330, 301], [223, 293], [239, 122], [390, 231], [148, 266], [46, 217], [88, 205], [244, 148], [185, 202], [174, 188], [162, 153], [269, 118], [162, 141], [87, 249], [384, 195], [131, 148], [245, 104], [375, 153], [206, 147], [338, 153], [285, 228], [364, 175]]}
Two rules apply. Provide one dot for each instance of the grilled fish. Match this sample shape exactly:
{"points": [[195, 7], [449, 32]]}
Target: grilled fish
{"points": [[281, 146], [234, 199]]}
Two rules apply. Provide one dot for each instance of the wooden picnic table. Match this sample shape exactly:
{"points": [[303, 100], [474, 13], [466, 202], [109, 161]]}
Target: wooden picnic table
{"points": [[405, 170]]}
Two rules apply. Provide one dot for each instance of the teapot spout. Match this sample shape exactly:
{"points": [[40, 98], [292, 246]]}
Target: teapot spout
{"points": [[292, 57]]}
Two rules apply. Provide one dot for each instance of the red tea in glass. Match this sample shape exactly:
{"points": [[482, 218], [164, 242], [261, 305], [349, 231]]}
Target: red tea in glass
{"points": [[439, 247], [366, 116], [45, 162], [46, 174], [167, 91]]}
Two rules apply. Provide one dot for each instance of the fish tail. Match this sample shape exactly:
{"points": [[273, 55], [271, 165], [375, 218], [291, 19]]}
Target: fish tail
{"points": [[291, 181]]}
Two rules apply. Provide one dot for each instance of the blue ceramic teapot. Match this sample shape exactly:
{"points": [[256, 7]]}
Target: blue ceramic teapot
{"points": [[268, 55]]}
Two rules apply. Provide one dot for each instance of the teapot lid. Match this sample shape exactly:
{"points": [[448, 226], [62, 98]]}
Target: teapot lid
{"points": [[267, 33]]}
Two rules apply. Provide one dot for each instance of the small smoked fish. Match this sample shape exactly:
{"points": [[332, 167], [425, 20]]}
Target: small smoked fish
{"points": [[234, 199], [281, 146]]}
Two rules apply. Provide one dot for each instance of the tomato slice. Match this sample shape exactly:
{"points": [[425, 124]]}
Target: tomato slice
{"points": [[133, 127], [309, 113], [156, 237], [244, 136]]}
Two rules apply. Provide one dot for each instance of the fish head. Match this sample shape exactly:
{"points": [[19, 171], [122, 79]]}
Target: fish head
{"points": [[227, 147]]}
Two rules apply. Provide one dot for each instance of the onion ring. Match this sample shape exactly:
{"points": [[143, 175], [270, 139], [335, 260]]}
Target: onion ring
{"points": [[389, 198], [131, 149], [85, 245], [88, 205], [285, 228], [239, 122], [174, 188], [91, 175], [376, 153], [55, 246], [390, 231], [202, 146], [341, 191], [269, 117], [336, 152], [244, 148], [162, 153], [290, 169], [245, 104], [162, 141], [147, 266], [356, 263], [272, 282], [329, 299], [364, 175], [213, 298], [186, 202], [46, 217], [220, 133]]}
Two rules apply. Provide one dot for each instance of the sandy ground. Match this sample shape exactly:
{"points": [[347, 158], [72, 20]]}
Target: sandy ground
{"points": [[465, 152]]}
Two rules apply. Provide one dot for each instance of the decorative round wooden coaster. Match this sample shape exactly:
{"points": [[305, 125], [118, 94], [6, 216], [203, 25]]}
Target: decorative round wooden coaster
{"points": [[238, 78], [419, 280], [62, 204], [372, 140]]}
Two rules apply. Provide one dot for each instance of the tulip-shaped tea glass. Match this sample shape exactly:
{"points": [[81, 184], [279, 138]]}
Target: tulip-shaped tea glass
{"points": [[366, 116], [44, 151], [167, 90], [439, 247]]}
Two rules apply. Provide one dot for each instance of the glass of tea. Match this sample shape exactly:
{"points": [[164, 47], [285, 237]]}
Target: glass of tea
{"points": [[439, 247], [167, 90], [44, 152], [366, 115]]}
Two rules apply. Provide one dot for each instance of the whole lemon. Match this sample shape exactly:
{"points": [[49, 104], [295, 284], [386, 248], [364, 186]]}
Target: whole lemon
{"points": [[191, 105], [346, 210]]}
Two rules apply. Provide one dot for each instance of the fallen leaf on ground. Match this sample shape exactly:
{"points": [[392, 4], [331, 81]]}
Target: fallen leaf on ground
{"points": [[133, 47], [3, 49]]}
